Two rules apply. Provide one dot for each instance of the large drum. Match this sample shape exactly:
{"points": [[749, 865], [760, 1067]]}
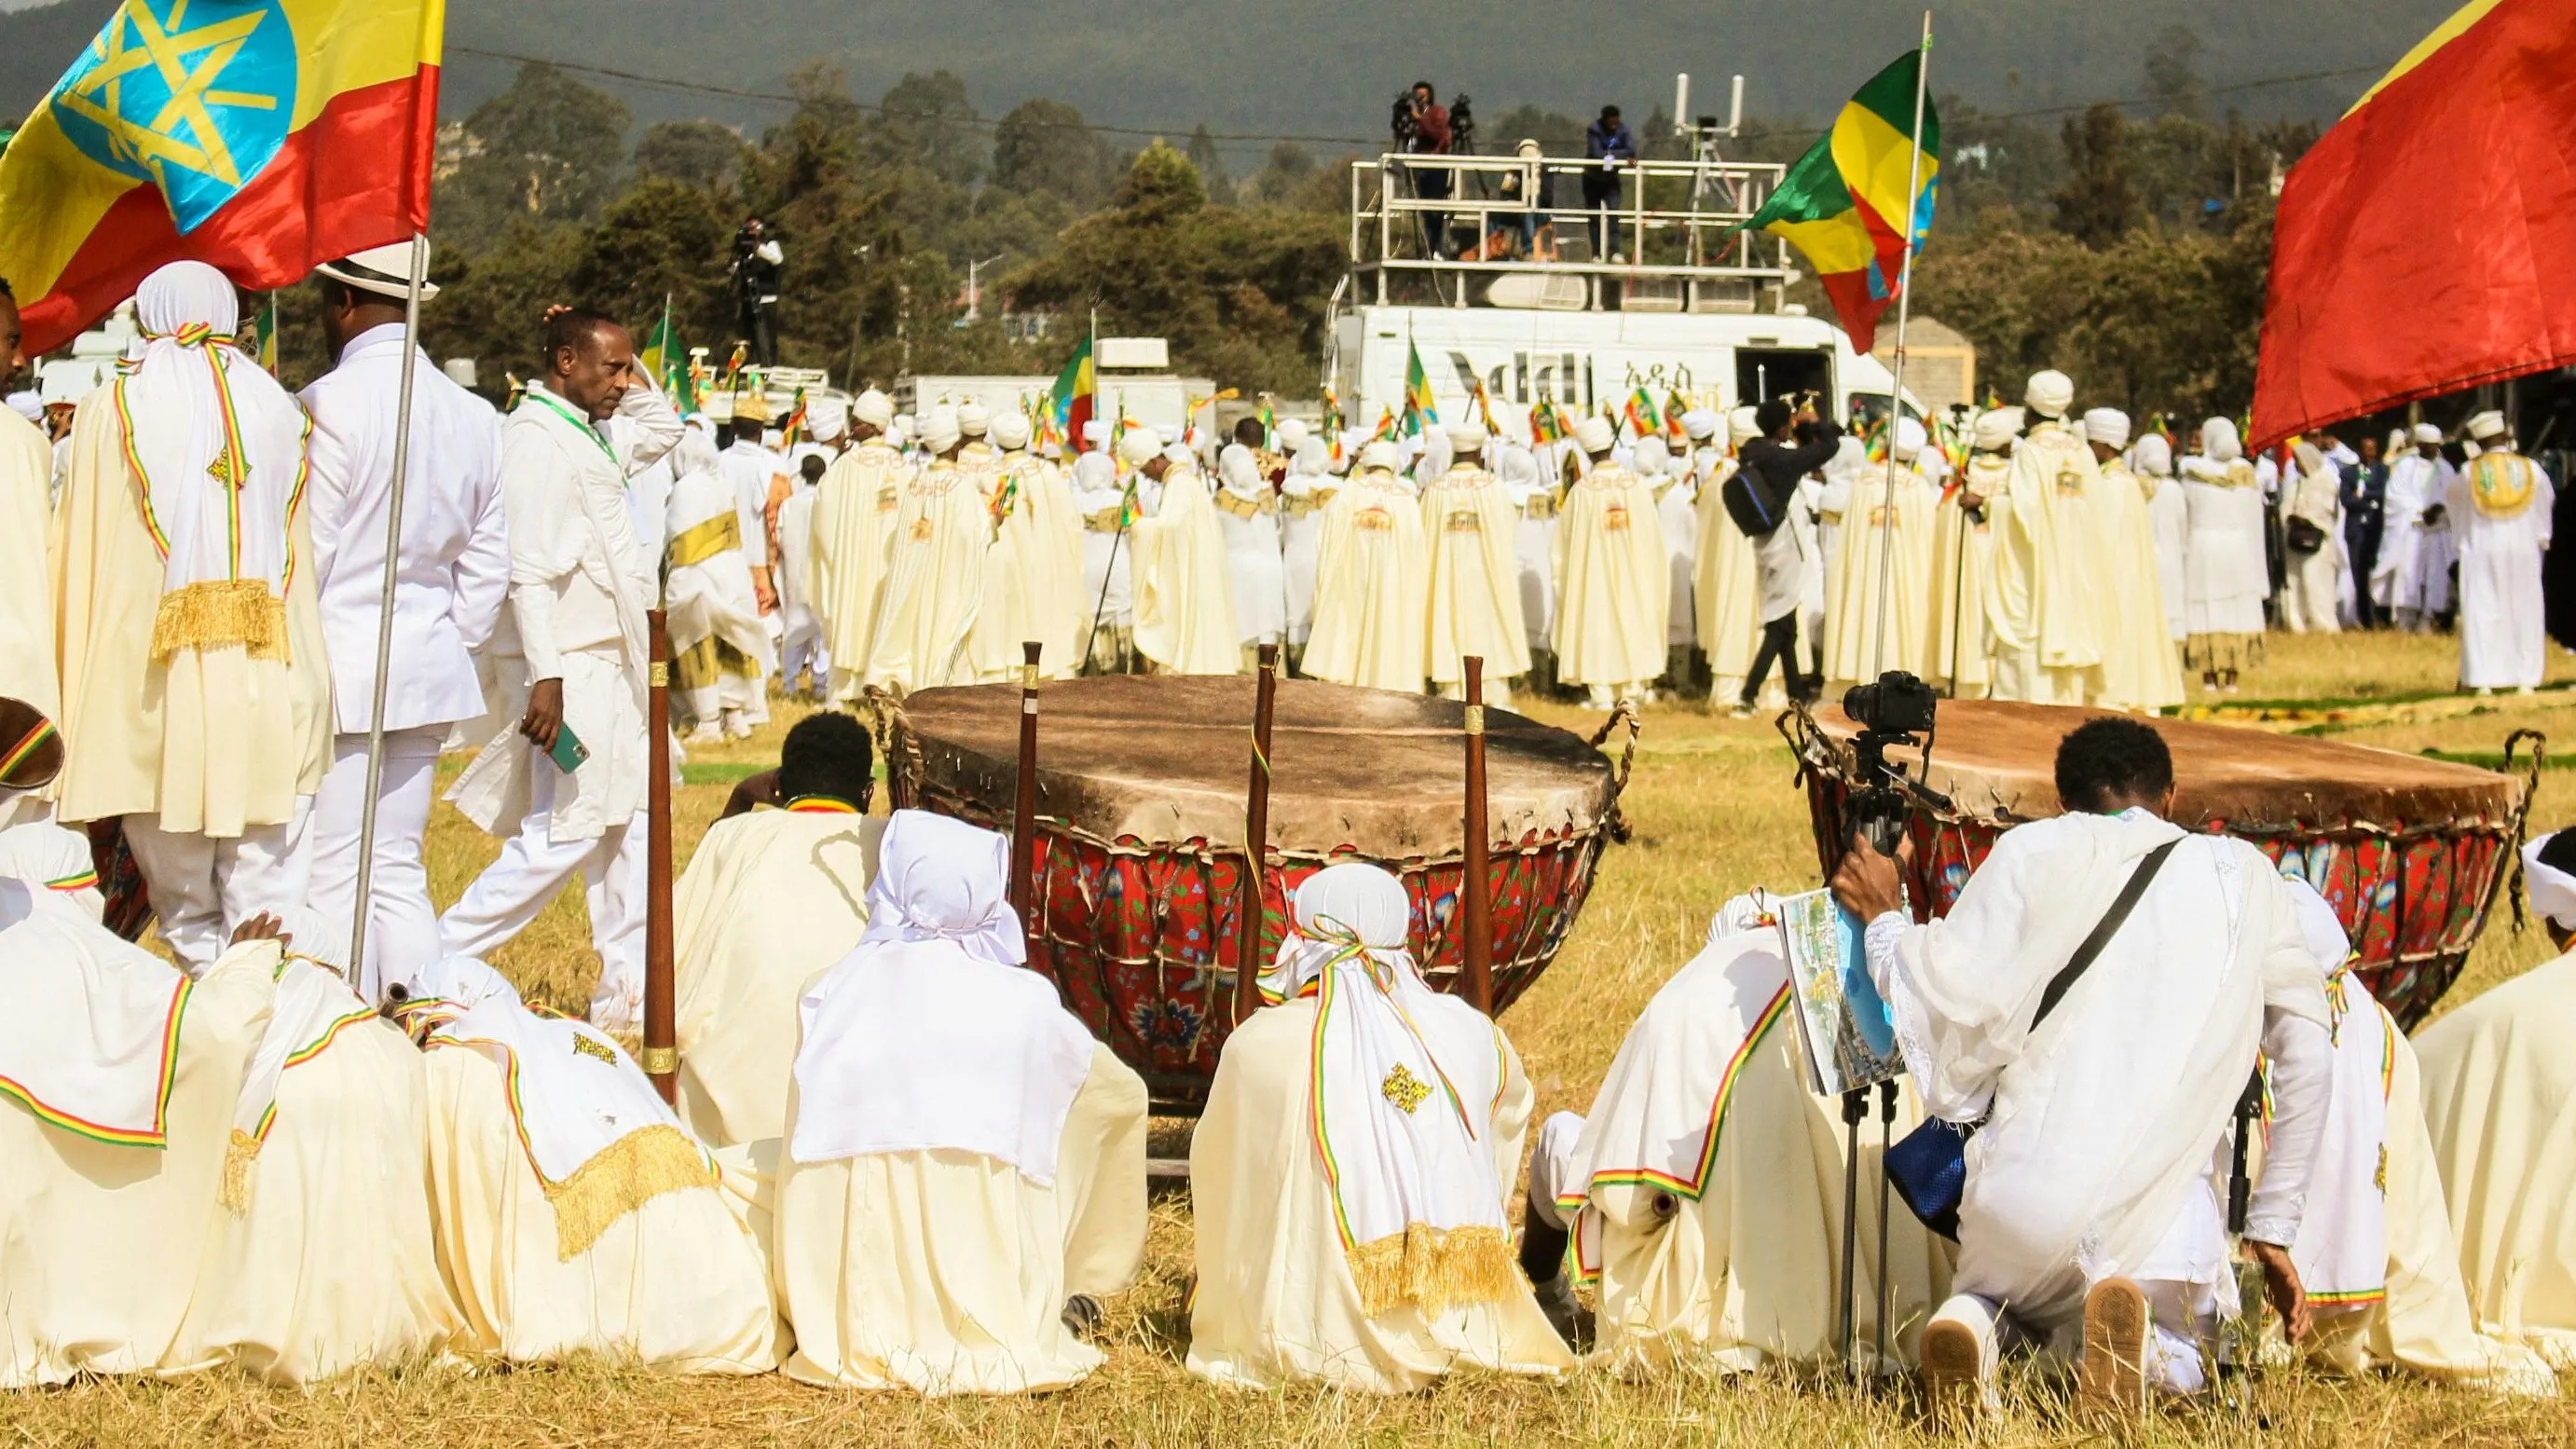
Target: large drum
{"points": [[1140, 839], [2409, 851]]}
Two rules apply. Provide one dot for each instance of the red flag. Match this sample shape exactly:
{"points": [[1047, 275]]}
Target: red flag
{"points": [[2428, 242]]}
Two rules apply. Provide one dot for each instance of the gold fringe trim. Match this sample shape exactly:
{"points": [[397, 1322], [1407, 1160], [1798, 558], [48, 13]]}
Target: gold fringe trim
{"points": [[241, 1157], [1433, 1268], [621, 1177], [220, 614]]}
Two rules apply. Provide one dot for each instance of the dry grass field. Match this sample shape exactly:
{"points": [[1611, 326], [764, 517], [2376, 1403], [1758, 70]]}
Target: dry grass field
{"points": [[1714, 814]]}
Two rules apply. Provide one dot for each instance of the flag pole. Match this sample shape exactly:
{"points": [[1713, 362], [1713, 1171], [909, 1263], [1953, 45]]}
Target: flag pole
{"points": [[1896, 378], [385, 622]]}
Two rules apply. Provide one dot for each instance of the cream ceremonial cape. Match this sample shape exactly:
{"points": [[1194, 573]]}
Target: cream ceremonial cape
{"points": [[1962, 557], [1184, 606], [1276, 1299], [769, 899], [934, 584], [213, 741], [2497, 1076], [26, 608], [2040, 609], [947, 1272], [1613, 581], [2140, 667], [678, 1283], [1852, 597], [1032, 575], [102, 1246], [1727, 590], [854, 509], [1371, 587], [1473, 528], [321, 1257], [1705, 1192]]}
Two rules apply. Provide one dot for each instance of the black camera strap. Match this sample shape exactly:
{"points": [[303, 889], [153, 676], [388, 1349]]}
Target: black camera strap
{"points": [[2108, 927]]}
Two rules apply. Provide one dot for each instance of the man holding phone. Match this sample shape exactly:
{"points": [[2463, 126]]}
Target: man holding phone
{"points": [[573, 773]]}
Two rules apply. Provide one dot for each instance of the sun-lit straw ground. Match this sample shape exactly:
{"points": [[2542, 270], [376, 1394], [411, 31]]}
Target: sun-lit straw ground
{"points": [[1715, 813]]}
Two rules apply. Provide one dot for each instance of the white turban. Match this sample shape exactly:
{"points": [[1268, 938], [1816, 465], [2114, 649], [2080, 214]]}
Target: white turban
{"points": [[1699, 424], [2107, 426], [2153, 456], [974, 420], [1910, 439], [1994, 428], [1465, 437], [2050, 393], [1291, 435], [1381, 455], [2218, 441], [874, 409], [929, 1035], [1095, 433], [1744, 424], [1312, 459], [2487, 426], [1594, 435], [940, 432], [1516, 466], [1236, 469], [827, 418], [1010, 431], [1652, 455], [2552, 891], [2427, 433], [1139, 446]]}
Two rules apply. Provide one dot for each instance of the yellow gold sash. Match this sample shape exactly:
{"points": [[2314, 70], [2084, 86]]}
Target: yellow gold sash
{"points": [[700, 542]]}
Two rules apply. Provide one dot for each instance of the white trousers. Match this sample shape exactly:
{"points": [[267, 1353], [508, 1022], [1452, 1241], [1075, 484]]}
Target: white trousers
{"points": [[532, 868], [802, 651], [203, 886], [402, 926]]}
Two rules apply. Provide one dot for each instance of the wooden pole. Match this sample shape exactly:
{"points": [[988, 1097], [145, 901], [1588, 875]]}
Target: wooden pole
{"points": [[661, 1041], [1256, 841], [1476, 888], [1024, 808]]}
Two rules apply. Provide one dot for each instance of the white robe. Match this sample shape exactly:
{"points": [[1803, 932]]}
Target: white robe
{"points": [[2225, 577], [2169, 516], [2504, 641]]}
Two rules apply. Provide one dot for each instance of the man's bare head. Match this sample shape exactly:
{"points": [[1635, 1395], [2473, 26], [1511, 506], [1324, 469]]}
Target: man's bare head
{"points": [[590, 360]]}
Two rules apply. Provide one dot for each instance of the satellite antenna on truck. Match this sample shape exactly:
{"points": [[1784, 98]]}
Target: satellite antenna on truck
{"points": [[1704, 133]]}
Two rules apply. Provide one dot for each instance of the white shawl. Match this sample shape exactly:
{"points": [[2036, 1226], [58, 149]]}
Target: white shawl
{"points": [[89, 1041], [931, 1034], [1405, 1084]]}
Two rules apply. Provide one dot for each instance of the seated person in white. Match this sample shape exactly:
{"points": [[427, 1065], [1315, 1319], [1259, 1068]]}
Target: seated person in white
{"points": [[770, 898], [1703, 1196], [1350, 1174], [573, 1211], [322, 1256], [965, 1173]]}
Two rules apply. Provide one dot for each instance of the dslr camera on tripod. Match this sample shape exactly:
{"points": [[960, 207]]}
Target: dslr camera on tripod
{"points": [[1896, 709]]}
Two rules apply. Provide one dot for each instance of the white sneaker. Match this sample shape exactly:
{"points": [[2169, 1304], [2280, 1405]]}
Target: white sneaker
{"points": [[1959, 1365], [2112, 1377]]}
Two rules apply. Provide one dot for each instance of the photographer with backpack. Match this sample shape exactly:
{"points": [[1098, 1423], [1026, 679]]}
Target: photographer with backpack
{"points": [[1758, 496]]}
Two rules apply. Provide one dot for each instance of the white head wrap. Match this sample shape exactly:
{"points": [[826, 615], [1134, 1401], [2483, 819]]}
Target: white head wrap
{"points": [[1910, 439], [2218, 441], [974, 420], [1312, 459], [1291, 434], [2487, 426], [1380, 455], [1994, 428], [826, 418], [1404, 1086], [2552, 891], [2427, 433], [940, 432], [92, 1018], [929, 1035], [1465, 437], [1237, 471], [54, 859], [2107, 426], [1594, 435], [2153, 456], [1138, 446], [1700, 424], [2050, 393], [1744, 425], [1010, 431], [203, 413], [1095, 433], [1651, 456], [874, 409], [1515, 466]]}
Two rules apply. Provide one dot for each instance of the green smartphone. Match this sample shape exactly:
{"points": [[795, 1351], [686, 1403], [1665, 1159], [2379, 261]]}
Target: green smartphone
{"points": [[569, 751]]}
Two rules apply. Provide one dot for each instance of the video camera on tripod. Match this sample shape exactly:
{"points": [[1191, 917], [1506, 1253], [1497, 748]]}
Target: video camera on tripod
{"points": [[1894, 710]]}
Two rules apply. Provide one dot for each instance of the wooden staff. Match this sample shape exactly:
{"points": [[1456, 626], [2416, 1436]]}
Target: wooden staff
{"points": [[1477, 886], [1024, 809], [661, 1040], [1256, 841]]}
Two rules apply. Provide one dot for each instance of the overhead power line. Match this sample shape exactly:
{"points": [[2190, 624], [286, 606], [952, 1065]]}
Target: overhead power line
{"points": [[1254, 137]]}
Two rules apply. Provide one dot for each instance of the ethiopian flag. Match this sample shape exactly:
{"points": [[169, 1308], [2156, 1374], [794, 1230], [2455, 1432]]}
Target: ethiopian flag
{"points": [[1841, 205], [1076, 395], [262, 136], [2427, 243], [1419, 410]]}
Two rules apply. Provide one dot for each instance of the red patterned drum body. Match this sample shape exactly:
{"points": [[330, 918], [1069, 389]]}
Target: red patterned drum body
{"points": [[1140, 847], [2409, 851]]}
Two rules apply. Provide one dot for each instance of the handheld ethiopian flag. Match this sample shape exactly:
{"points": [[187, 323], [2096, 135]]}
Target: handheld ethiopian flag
{"points": [[1419, 410], [1076, 394], [1843, 203], [261, 136]]}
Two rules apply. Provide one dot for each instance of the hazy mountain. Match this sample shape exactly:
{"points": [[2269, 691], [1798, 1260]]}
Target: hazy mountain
{"points": [[1327, 68]]}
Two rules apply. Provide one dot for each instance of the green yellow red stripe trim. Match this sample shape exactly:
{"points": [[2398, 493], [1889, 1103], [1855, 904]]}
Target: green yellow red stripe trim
{"points": [[2350, 1297], [77, 882], [19, 752], [299, 1057], [821, 805], [158, 1135]]}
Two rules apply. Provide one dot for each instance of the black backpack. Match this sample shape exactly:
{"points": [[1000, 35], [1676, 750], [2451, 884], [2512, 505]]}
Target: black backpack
{"points": [[1755, 511]]}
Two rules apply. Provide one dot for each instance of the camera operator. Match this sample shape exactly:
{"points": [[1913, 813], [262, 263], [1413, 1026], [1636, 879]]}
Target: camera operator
{"points": [[1612, 148], [757, 258], [1422, 129], [1794, 443]]}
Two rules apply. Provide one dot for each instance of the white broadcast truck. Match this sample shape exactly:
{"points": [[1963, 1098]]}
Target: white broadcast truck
{"points": [[1516, 298]]}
